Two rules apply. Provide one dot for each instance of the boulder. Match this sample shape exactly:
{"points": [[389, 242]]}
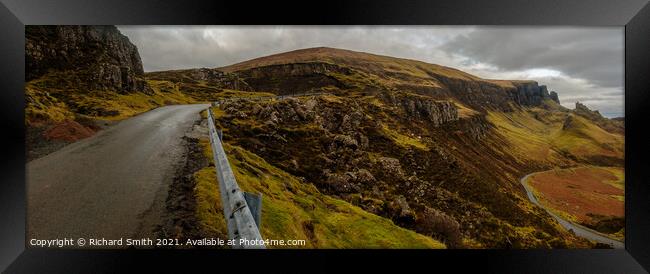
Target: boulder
{"points": [[401, 211], [391, 166]]}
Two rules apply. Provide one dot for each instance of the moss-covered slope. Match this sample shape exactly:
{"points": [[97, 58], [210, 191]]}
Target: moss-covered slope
{"points": [[294, 209]]}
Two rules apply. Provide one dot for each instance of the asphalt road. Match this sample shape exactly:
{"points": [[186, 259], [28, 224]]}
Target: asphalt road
{"points": [[577, 229], [112, 185]]}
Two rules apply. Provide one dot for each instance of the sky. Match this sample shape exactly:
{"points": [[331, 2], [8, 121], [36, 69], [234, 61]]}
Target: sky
{"points": [[582, 64]]}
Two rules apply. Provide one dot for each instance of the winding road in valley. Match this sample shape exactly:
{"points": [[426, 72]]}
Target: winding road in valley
{"points": [[577, 229], [112, 185]]}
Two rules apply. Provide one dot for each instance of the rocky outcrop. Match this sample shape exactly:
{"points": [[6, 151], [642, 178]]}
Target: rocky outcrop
{"points": [[206, 74], [438, 112], [391, 166], [476, 127], [423, 108], [530, 93], [295, 69], [584, 111], [100, 56], [554, 97], [203, 77], [293, 78], [568, 122], [400, 210], [610, 125], [219, 79]]}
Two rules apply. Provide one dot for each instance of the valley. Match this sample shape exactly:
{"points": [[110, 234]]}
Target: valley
{"points": [[588, 195]]}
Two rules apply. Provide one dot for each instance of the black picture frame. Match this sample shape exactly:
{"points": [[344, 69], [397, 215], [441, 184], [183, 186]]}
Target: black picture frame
{"points": [[634, 15]]}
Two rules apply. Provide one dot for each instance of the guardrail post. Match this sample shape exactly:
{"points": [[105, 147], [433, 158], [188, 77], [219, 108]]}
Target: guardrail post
{"points": [[254, 202]]}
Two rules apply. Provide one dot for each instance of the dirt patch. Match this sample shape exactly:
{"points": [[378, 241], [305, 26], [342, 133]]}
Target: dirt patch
{"points": [[582, 192], [37, 146], [181, 221], [181, 204], [69, 131], [44, 138]]}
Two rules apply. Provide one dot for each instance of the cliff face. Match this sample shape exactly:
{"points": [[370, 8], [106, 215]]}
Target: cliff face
{"points": [[100, 56], [532, 94], [423, 108], [485, 94], [293, 78]]}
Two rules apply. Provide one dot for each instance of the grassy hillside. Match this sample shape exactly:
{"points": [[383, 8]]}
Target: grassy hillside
{"points": [[295, 209], [51, 102], [56, 97], [557, 138], [395, 162], [584, 139]]}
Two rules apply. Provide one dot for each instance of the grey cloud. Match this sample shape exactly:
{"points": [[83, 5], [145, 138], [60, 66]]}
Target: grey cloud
{"points": [[174, 47], [594, 54]]}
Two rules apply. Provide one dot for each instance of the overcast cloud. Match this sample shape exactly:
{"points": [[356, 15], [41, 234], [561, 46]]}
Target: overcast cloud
{"points": [[581, 64]]}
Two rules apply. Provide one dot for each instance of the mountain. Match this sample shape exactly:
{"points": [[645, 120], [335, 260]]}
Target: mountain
{"points": [[427, 146], [307, 69]]}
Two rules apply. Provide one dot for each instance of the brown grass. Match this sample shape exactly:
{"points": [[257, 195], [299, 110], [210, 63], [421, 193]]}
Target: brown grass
{"points": [[582, 191]]}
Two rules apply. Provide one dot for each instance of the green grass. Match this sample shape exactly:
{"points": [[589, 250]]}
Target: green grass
{"points": [[42, 106], [586, 138], [541, 139], [54, 102], [209, 212], [128, 104], [528, 137], [403, 140]]}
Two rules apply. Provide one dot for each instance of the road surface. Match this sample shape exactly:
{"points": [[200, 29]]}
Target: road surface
{"points": [[112, 185], [577, 229]]}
